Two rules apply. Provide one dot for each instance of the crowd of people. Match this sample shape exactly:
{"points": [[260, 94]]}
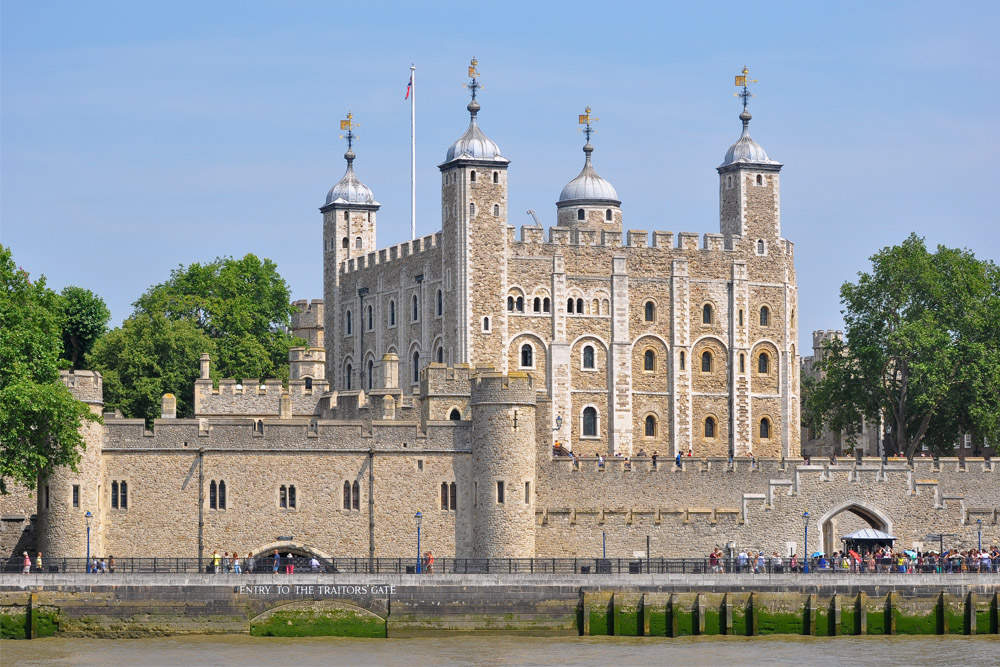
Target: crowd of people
{"points": [[231, 563], [879, 560]]}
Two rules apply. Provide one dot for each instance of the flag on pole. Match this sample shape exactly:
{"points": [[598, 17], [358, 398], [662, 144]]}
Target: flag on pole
{"points": [[409, 85]]}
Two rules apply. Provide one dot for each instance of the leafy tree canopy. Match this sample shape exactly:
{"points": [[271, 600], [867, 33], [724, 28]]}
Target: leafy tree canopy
{"points": [[921, 350], [84, 319], [39, 418], [148, 356], [244, 305]]}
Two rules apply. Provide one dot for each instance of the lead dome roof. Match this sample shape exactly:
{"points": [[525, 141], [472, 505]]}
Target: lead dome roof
{"points": [[746, 150], [474, 144], [589, 186], [350, 190]]}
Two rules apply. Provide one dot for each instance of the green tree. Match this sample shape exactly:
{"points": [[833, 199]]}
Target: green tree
{"points": [[921, 350], [148, 356], [84, 319], [244, 305], [39, 418]]}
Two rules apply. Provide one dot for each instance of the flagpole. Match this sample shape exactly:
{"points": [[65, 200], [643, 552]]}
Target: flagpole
{"points": [[413, 154]]}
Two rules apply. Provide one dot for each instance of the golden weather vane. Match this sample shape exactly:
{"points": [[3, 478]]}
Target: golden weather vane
{"points": [[474, 84], [349, 125], [587, 120], [743, 80]]}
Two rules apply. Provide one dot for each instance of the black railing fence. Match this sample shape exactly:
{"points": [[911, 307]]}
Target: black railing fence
{"points": [[305, 564]]}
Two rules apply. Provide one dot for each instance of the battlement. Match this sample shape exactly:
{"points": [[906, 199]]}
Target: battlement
{"points": [[820, 337], [633, 238], [494, 387], [308, 313], [87, 386], [439, 379], [306, 354], [255, 398], [392, 253]]}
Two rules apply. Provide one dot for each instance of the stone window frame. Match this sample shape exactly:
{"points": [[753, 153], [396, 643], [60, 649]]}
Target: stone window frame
{"points": [[418, 464], [358, 243], [496, 210], [715, 427], [439, 354], [764, 356], [472, 176], [448, 496], [581, 214], [391, 318], [761, 247], [645, 426], [415, 363], [645, 354], [649, 308], [74, 499], [415, 308], [608, 217], [348, 373], [496, 176], [681, 360], [760, 181], [454, 410], [291, 497], [370, 372], [597, 422], [217, 495], [528, 492], [345, 243], [118, 490], [499, 492], [593, 358], [486, 327], [348, 323], [743, 362], [439, 304], [711, 313], [729, 182], [472, 209], [520, 356], [765, 314], [701, 361], [369, 318], [765, 423]]}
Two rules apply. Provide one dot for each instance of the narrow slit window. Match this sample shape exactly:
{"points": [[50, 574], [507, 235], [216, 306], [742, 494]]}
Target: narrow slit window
{"points": [[579, 214], [650, 426], [444, 495], [649, 361], [709, 427], [527, 493], [114, 495], [222, 494], [347, 495], [499, 492], [496, 177], [650, 311], [76, 495], [440, 303], [706, 314], [765, 316], [607, 215], [588, 357], [527, 356], [454, 497], [545, 304], [123, 496], [283, 496], [291, 497], [213, 496], [682, 360], [765, 429], [536, 305], [706, 362], [356, 495]]}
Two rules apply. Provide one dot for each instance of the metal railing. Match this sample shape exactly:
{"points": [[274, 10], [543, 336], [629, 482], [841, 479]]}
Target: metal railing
{"points": [[513, 566]]}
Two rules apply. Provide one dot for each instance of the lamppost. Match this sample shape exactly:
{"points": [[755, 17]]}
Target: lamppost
{"points": [[89, 516], [979, 528], [558, 422], [418, 517], [805, 556]]}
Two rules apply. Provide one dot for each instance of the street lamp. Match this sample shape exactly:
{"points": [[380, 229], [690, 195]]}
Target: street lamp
{"points": [[805, 556], [418, 517], [979, 528], [88, 516], [558, 422]]}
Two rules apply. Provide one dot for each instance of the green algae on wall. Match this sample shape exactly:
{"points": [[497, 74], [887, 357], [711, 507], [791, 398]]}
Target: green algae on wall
{"points": [[318, 623], [13, 623]]}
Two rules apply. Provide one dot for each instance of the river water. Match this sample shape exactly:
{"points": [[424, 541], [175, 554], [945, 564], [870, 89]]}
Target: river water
{"points": [[247, 651]]}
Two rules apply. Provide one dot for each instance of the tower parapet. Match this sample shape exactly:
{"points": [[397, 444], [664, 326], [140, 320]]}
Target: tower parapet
{"points": [[307, 321], [503, 465]]}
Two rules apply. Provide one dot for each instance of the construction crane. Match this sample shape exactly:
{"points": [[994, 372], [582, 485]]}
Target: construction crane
{"points": [[535, 216]]}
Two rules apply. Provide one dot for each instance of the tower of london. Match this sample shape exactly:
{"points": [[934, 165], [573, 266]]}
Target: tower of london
{"points": [[475, 374]]}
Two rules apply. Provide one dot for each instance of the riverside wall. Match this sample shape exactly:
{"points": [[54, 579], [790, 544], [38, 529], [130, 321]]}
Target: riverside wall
{"points": [[434, 605]]}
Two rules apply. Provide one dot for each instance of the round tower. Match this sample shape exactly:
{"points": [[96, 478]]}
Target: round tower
{"points": [[589, 202], [64, 497], [503, 466]]}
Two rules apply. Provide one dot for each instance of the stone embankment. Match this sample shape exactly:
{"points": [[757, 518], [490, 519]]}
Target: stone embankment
{"points": [[439, 604]]}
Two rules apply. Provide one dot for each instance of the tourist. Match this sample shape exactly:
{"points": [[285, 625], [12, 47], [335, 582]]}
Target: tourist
{"points": [[642, 452], [38, 562], [111, 564], [793, 564], [761, 564], [277, 561], [314, 564], [776, 565], [290, 565], [216, 562], [102, 566], [655, 456], [600, 460], [93, 565], [678, 460], [429, 562], [743, 560], [713, 560], [249, 562], [628, 463], [227, 563], [27, 563], [236, 563]]}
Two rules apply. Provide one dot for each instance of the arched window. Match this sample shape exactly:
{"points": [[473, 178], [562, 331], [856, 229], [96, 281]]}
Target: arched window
{"points": [[760, 180], [348, 372], [472, 175], [454, 496], [347, 495], [590, 421], [213, 494], [527, 356], [496, 177], [536, 305], [416, 309], [763, 363], [486, 324], [357, 243], [650, 311], [588, 356], [356, 495], [510, 303], [760, 246], [371, 374], [496, 210], [579, 306], [455, 415], [706, 362], [545, 305], [440, 354], [519, 304], [741, 317], [595, 307], [350, 323], [742, 364], [260, 426], [650, 426], [706, 314], [765, 429], [729, 181], [416, 367], [569, 305], [392, 313], [709, 427], [440, 303], [472, 208], [222, 494], [371, 319], [444, 495], [309, 384], [346, 217], [345, 243], [579, 214], [765, 316], [607, 215], [649, 360]]}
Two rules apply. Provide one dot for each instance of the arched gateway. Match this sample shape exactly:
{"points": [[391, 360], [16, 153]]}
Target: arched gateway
{"points": [[827, 524]]}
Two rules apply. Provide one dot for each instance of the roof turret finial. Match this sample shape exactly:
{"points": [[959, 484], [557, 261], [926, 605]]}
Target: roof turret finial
{"points": [[743, 80], [473, 86], [587, 121], [349, 125]]}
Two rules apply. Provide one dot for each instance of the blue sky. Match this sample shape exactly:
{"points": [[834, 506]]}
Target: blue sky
{"points": [[137, 136]]}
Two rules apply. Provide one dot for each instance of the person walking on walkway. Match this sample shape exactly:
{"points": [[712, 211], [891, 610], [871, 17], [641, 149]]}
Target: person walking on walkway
{"points": [[277, 561], [236, 563], [290, 566], [216, 562], [27, 563], [38, 562], [249, 562]]}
